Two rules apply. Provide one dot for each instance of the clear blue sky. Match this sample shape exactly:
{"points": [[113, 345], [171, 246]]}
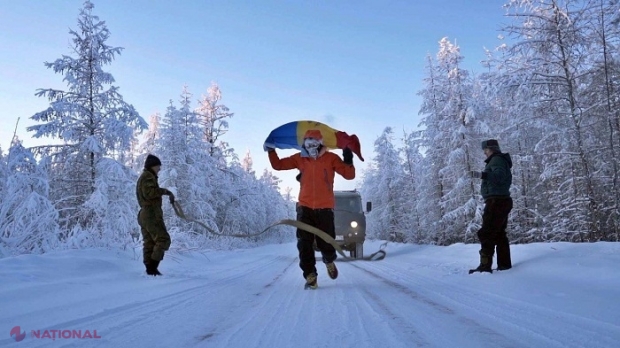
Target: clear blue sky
{"points": [[355, 65]]}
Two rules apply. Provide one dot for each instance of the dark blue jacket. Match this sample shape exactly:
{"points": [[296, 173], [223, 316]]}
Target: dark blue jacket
{"points": [[496, 177]]}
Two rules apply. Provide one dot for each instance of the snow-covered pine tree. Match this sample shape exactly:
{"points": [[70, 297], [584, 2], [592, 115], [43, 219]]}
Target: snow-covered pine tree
{"points": [[244, 211], [288, 194], [212, 186], [4, 173], [3, 177], [506, 99], [435, 152], [552, 47], [602, 92], [412, 165], [149, 141], [186, 169], [197, 189], [247, 163], [28, 219], [252, 203], [114, 208], [452, 128], [383, 185], [274, 208], [214, 119], [90, 118]]}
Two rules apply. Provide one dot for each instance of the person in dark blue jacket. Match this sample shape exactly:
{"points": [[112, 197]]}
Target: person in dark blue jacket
{"points": [[495, 190]]}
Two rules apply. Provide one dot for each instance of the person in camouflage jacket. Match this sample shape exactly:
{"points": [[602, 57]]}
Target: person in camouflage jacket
{"points": [[495, 190], [156, 239]]}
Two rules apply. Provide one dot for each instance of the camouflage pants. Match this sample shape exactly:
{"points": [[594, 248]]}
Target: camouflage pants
{"points": [[156, 240], [493, 231], [322, 219]]}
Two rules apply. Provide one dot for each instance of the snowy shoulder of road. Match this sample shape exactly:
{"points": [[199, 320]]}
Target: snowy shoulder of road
{"points": [[556, 295]]}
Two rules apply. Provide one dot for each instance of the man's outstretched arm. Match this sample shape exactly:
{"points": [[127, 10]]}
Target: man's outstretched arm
{"points": [[284, 163], [345, 166]]}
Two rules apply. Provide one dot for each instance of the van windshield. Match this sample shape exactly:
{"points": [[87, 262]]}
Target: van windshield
{"points": [[350, 204]]}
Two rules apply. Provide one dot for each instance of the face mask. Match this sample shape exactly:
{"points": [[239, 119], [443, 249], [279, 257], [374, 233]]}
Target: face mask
{"points": [[312, 146]]}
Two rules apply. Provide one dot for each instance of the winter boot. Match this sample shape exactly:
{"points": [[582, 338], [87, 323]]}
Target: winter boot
{"points": [[486, 263], [332, 270], [504, 261], [154, 265], [149, 268], [311, 282]]}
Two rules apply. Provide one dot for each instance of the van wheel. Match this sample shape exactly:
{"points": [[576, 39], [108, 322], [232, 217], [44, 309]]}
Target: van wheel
{"points": [[359, 250]]}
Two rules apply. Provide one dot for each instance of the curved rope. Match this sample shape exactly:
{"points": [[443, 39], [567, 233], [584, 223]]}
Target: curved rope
{"points": [[379, 255]]}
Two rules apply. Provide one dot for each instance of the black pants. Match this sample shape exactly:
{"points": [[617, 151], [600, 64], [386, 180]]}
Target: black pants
{"points": [[323, 219], [493, 231]]}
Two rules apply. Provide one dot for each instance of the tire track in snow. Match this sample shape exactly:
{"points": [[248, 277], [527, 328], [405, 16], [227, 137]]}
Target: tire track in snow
{"points": [[240, 306], [127, 316], [523, 322], [338, 314], [401, 323], [439, 313]]}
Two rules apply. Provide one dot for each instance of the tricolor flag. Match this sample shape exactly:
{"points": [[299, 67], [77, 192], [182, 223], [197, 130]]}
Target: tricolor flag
{"points": [[291, 136]]}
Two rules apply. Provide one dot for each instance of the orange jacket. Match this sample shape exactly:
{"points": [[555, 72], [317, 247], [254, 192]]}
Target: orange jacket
{"points": [[317, 176]]}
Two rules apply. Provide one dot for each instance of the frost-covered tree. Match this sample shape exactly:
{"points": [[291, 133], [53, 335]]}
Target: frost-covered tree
{"points": [[452, 127], [187, 170], [90, 118], [226, 197], [512, 115], [269, 180], [28, 219], [214, 119], [383, 185], [464, 129], [4, 173], [411, 187], [603, 93], [274, 207], [552, 48], [255, 204], [3, 178], [435, 150], [114, 207], [150, 139], [247, 163]]}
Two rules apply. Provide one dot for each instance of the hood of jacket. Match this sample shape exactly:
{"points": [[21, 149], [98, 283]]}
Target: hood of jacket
{"points": [[505, 156]]}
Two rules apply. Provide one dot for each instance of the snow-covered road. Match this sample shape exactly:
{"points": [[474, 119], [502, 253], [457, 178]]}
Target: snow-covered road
{"points": [[557, 295]]}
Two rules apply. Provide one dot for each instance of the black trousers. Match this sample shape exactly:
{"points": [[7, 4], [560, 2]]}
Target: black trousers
{"points": [[323, 219], [493, 231]]}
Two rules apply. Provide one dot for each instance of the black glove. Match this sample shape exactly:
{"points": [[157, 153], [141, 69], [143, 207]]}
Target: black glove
{"points": [[476, 175], [347, 156], [298, 177], [170, 195]]}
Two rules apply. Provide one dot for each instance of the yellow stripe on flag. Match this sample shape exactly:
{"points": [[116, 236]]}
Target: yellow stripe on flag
{"points": [[328, 133]]}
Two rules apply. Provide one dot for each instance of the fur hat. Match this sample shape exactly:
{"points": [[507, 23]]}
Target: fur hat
{"points": [[314, 134], [491, 144], [151, 161]]}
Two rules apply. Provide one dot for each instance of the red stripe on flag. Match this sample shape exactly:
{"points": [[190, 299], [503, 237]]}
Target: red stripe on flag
{"points": [[351, 141]]}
